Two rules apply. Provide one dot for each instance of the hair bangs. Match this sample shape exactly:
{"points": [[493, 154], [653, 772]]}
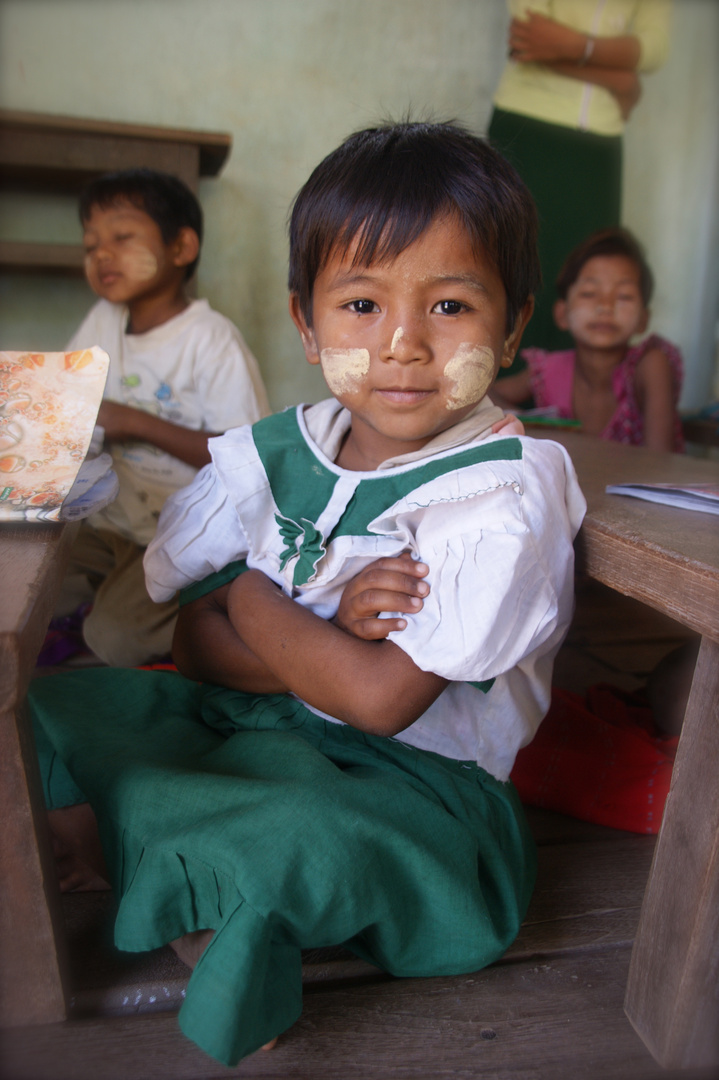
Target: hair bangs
{"points": [[382, 188]]}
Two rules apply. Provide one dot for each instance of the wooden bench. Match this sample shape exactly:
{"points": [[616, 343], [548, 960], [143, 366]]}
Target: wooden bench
{"points": [[551, 1008]]}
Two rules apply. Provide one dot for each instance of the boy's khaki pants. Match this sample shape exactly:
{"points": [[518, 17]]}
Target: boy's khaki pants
{"points": [[125, 627]]}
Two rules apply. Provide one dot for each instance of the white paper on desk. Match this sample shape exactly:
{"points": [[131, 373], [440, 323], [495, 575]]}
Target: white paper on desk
{"points": [[96, 486], [48, 406], [703, 497]]}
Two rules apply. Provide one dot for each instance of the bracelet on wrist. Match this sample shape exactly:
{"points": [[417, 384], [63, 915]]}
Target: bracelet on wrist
{"points": [[588, 50]]}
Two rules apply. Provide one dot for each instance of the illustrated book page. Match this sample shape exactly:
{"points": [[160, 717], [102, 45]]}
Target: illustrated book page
{"points": [[48, 406]]}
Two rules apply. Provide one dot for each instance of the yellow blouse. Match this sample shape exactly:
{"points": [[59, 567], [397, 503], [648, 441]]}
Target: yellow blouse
{"points": [[534, 90]]}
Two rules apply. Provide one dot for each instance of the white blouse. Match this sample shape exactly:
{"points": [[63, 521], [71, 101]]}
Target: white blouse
{"points": [[494, 519]]}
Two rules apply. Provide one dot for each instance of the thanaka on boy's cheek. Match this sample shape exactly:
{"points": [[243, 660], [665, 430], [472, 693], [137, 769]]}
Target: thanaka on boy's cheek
{"points": [[472, 370], [141, 262], [344, 369]]}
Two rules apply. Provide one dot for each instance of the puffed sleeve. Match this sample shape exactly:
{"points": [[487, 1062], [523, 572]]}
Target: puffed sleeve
{"points": [[651, 24], [501, 573], [198, 534]]}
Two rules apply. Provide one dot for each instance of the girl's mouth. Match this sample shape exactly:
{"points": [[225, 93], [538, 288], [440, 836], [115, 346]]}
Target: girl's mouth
{"points": [[403, 395]]}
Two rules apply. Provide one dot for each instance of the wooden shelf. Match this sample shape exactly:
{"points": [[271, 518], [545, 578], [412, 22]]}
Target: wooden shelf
{"points": [[41, 151], [39, 258]]}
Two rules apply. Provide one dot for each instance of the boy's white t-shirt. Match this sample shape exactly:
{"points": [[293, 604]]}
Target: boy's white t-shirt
{"points": [[195, 370], [493, 517]]}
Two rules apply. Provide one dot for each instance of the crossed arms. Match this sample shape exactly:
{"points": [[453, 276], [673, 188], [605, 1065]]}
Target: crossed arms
{"points": [[345, 668]]}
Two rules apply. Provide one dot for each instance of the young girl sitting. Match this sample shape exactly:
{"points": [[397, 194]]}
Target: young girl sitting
{"points": [[374, 589], [627, 393]]}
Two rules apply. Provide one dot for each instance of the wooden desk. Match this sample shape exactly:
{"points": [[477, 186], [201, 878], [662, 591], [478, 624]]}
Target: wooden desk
{"points": [[32, 562], [669, 559]]}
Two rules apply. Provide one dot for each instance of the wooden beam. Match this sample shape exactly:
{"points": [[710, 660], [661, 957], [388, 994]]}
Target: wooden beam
{"points": [[20, 255], [213, 146]]}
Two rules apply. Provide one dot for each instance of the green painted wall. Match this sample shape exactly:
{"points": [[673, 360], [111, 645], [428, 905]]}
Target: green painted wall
{"points": [[289, 79]]}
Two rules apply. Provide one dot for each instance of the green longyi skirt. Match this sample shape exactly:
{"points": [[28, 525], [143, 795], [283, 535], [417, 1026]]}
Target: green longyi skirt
{"points": [[281, 831]]}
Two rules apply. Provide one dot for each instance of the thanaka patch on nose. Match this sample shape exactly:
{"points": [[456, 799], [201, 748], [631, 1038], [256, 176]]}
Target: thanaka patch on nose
{"points": [[471, 369], [396, 338], [344, 369]]}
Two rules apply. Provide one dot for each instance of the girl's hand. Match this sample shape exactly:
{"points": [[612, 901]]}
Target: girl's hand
{"points": [[541, 40], [391, 584], [508, 425]]}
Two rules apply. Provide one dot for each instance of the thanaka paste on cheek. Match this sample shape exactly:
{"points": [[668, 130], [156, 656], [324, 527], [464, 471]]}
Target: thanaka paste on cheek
{"points": [[344, 369], [141, 263], [471, 369]]}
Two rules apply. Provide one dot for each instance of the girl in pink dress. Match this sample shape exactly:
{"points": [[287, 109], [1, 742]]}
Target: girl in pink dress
{"points": [[619, 391]]}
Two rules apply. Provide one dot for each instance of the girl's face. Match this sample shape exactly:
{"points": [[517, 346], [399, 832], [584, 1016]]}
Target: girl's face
{"points": [[411, 345], [604, 307], [125, 256]]}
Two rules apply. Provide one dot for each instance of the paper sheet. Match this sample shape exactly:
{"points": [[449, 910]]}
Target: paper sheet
{"points": [[48, 407]]}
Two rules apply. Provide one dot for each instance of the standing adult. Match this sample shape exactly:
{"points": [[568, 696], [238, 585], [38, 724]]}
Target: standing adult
{"points": [[567, 90]]}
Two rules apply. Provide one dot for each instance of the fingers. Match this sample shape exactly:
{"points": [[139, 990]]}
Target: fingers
{"points": [[371, 601], [509, 425], [376, 629], [405, 561], [388, 590], [388, 585]]}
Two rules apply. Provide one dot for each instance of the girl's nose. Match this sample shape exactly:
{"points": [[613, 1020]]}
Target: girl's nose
{"points": [[406, 343]]}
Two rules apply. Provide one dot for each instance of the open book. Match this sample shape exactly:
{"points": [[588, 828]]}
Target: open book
{"points": [[704, 497], [48, 407]]}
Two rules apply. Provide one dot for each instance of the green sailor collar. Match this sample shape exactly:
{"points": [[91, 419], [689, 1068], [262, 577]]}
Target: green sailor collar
{"points": [[317, 502]]}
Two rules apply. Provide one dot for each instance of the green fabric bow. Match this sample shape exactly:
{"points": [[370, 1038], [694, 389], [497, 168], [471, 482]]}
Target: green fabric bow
{"points": [[310, 547]]}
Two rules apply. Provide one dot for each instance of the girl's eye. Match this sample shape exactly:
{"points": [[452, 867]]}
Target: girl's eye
{"points": [[449, 307], [363, 307]]}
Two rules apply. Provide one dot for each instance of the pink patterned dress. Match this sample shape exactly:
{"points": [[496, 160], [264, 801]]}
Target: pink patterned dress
{"points": [[552, 375]]}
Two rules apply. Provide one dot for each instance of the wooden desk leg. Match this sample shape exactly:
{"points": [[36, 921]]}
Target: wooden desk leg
{"points": [[673, 989], [31, 990]]}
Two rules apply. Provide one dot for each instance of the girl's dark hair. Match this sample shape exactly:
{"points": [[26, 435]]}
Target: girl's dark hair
{"points": [[387, 184], [165, 198], [607, 242]]}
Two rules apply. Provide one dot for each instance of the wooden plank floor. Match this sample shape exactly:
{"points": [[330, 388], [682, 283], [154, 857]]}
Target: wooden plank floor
{"points": [[552, 1008]]}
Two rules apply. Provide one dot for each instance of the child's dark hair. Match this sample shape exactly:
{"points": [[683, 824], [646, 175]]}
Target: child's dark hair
{"points": [[607, 242], [165, 198], [387, 184]]}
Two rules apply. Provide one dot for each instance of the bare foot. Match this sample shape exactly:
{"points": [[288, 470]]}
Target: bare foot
{"points": [[73, 874], [78, 853], [190, 948]]}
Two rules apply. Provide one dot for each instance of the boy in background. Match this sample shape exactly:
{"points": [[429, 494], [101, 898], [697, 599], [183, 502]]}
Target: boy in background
{"points": [[179, 374]]}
